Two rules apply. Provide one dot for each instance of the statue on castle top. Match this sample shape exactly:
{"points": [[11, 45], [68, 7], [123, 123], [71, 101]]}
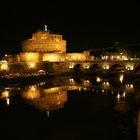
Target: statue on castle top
{"points": [[45, 27]]}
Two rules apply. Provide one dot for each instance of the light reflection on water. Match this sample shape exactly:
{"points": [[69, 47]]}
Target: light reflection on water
{"points": [[60, 93]]}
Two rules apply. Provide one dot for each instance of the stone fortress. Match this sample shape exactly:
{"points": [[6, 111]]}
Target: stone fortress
{"points": [[45, 46], [48, 52]]}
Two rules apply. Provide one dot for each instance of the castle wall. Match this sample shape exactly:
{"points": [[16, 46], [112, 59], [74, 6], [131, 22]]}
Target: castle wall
{"points": [[43, 41], [57, 57], [75, 57], [29, 56]]}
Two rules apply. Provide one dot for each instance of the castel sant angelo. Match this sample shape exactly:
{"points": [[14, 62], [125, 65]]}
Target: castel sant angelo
{"points": [[48, 52], [45, 46], [42, 48]]}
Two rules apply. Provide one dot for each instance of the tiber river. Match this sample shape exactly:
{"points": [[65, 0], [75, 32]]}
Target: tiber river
{"points": [[71, 108]]}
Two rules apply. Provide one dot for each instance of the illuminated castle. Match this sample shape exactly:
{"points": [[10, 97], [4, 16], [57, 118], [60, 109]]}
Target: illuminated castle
{"points": [[45, 42], [45, 46], [48, 99], [42, 47]]}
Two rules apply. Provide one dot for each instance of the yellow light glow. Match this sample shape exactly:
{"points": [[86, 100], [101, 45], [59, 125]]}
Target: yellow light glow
{"points": [[105, 67], [129, 86], [85, 88], [129, 67], [8, 101], [48, 113], [87, 67], [71, 66], [59, 102], [118, 96], [124, 94], [57, 40], [4, 66], [98, 79], [72, 87], [57, 57], [121, 78], [118, 57], [5, 94], [44, 42], [71, 80], [31, 65], [103, 90], [106, 83], [33, 88], [53, 90], [29, 56], [32, 93], [75, 56], [86, 83], [79, 88]]}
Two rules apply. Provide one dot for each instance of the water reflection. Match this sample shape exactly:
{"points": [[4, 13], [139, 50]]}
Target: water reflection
{"points": [[5, 94], [53, 94], [31, 92], [98, 79], [45, 99], [121, 78]]}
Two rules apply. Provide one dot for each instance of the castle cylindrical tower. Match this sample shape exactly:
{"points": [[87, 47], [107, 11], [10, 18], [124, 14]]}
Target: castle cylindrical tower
{"points": [[44, 41]]}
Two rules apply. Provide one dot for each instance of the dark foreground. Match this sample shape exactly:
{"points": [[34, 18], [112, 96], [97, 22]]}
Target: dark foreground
{"points": [[87, 114]]}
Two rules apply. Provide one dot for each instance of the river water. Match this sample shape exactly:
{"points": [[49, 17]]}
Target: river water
{"points": [[71, 108]]}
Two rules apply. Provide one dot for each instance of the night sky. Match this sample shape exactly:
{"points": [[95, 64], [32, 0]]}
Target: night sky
{"points": [[85, 25]]}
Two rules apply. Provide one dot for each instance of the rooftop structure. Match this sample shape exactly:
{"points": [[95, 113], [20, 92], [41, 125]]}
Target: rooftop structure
{"points": [[44, 41], [45, 46], [47, 99], [111, 54]]}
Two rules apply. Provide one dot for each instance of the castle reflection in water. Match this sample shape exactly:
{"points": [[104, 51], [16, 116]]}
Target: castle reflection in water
{"points": [[52, 94]]}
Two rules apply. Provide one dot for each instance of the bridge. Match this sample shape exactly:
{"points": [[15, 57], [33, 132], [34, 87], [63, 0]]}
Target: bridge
{"points": [[98, 65], [129, 66]]}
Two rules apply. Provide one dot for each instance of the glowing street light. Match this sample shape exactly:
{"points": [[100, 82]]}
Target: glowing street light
{"points": [[121, 78], [31, 65], [98, 79]]}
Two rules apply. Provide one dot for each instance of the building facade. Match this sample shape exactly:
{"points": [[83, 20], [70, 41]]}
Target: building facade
{"points": [[45, 46]]}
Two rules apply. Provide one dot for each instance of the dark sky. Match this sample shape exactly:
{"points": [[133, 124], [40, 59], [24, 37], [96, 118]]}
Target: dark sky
{"points": [[85, 25]]}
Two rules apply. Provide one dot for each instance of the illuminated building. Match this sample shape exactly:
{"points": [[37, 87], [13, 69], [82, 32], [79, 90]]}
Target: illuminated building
{"points": [[47, 99], [110, 54], [3, 65], [45, 46], [114, 54], [44, 41]]}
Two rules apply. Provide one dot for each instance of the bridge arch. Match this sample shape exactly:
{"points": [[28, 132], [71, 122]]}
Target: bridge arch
{"points": [[77, 68], [117, 67], [137, 69], [95, 67], [77, 79]]}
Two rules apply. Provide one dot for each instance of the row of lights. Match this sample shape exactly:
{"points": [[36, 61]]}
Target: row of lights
{"points": [[5, 67], [105, 67]]}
